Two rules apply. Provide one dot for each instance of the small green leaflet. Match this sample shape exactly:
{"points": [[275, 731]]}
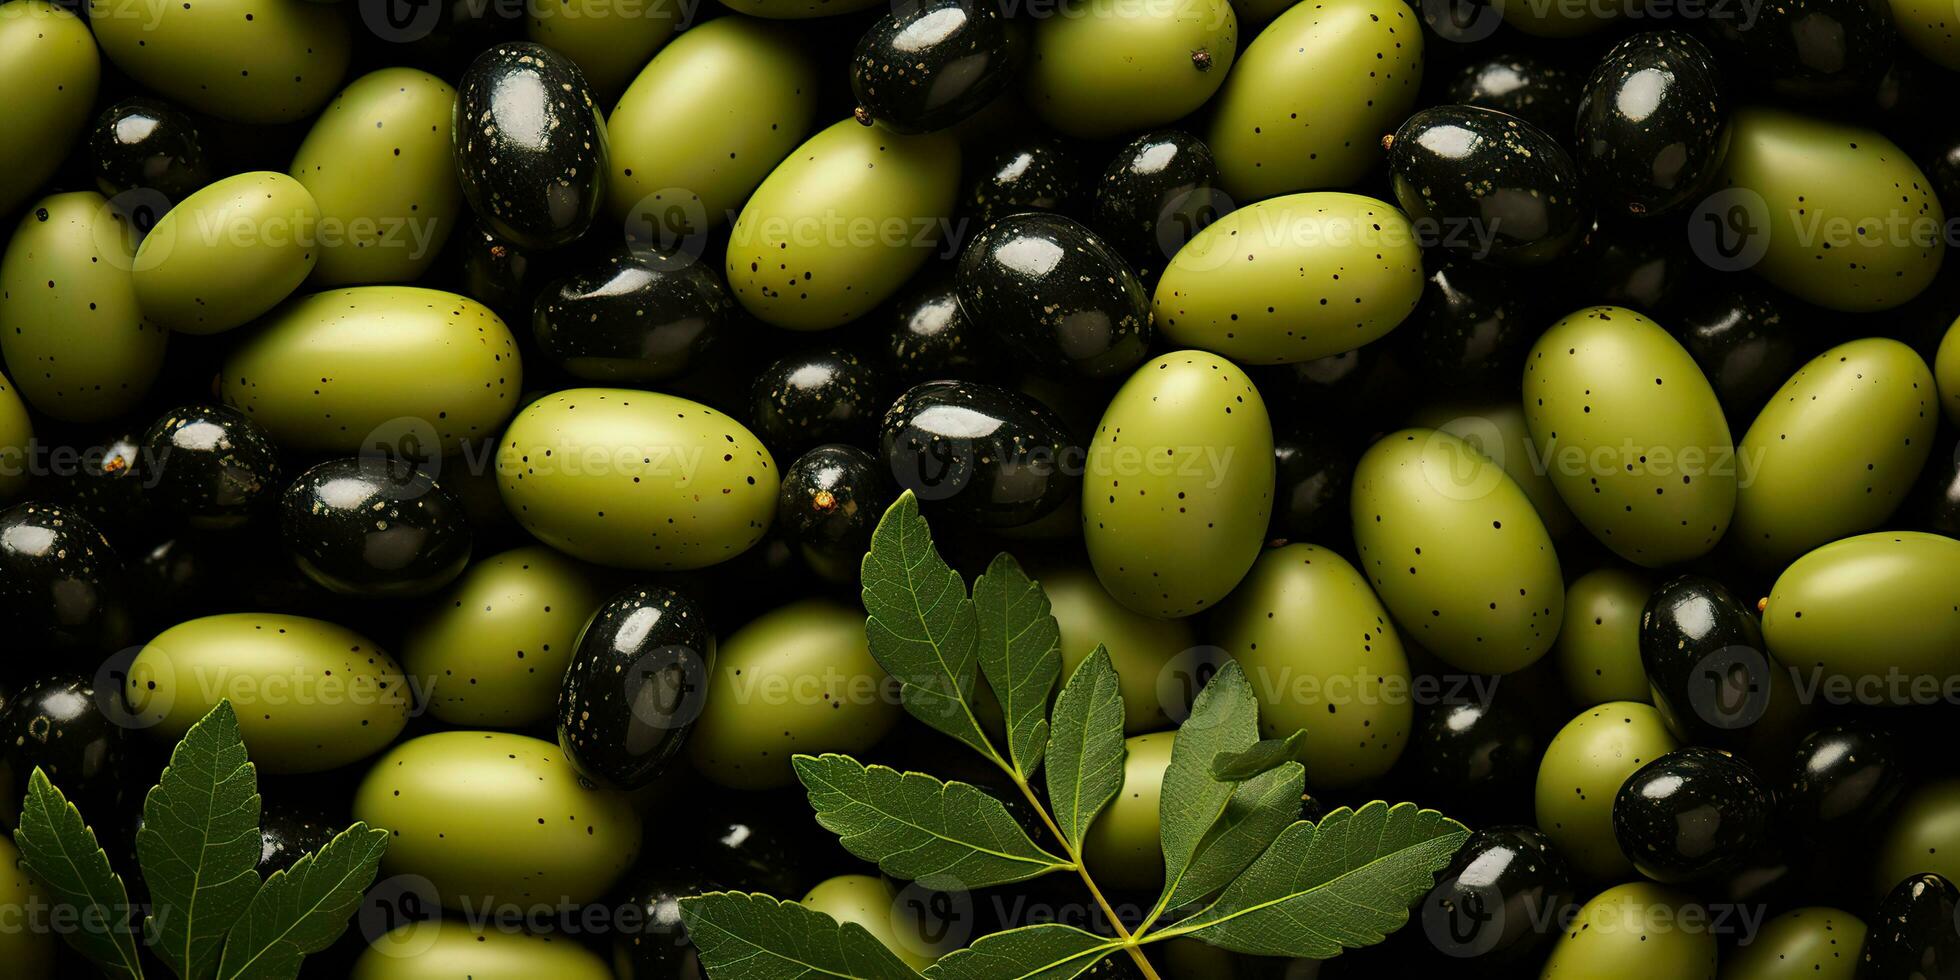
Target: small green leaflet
{"points": [[921, 625], [1224, 718], [1050, 951], [1237, 767], [1085, 755], [1343, 883], [62, 851], [755, 937], [1259, 810], [1021, 654], [304, 909], [945, 836], [199, 844]]}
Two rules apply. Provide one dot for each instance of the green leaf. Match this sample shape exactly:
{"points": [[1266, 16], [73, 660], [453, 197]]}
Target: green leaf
{"points": [[754, 937], [921, 626], [945, 836], [1050, 951], [1224, 718], [1085, 756], [1021, 654], [1237, 767], [1258, 811], [199, 844], [1343, 883], [62, 852], [304, 909]]}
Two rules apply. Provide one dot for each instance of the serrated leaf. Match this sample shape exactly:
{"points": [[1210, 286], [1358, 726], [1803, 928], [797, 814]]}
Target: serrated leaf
{"points": [[302, 910], [1085, 754], [200, 845], [1343, 883], [61, 849], [921, 626], [945, 836], [1020, 653], [1050, 951], [1224, 718], [1258, 811], [754, 937], [1237, 767]]}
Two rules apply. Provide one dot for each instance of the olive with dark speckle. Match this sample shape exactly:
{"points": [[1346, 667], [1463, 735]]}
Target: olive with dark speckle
{"points": [[1055, 292], [286, 834], [808, 399], [1649, 136], [637, 682], [210, 465], [931, 338], [146, 145], [375, 527], [1157, 192], [1038, 175], [1491, 184], [985, 454], [1808, 51], [105, 484], [1915, 934], [61, 588], [1470, 330], [530, 145], [637, 317], [1843, 783], [830, 502], [1487, 904], [1690, 814], [58, 725], [931, 63], [1534, 90]]}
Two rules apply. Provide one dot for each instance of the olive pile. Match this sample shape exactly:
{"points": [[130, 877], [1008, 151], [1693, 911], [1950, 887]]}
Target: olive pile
{"points": [[1550, 404]]}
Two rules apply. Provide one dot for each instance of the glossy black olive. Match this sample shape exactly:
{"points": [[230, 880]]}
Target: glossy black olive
{"points": [[1706, 664], [1478, 755], [57, 724], [530, 147], [1650, 134], [932, 339], [1843, 782], [830, 501], [1501, 897], [144, 145], [1034, 176], [1646, 266], [182, 576], [635, 686], [1470, 330], [211, 465], [505, 277], [1942, 166], [286, 834], [1158, 192], [1363, 387], [638, 317], [1488, 183], [1311, 472], [1915, 933], [743, 842], [986, 454], [930, 63], [1935, 503], [657, 947], [1538, 92], [1054, 291], [809, 399], [1690, 814], [104, 482], [1737, 332], [1810, 50], [61, 587], [369, 526]]}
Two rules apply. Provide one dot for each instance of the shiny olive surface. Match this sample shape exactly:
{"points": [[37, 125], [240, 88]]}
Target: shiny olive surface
{"points": [[149, 150], [1539, 92], [635, 686], [1470, 330], [1646, 266], [930, 63], [1690, 814], [1935, 504], [1486, 905], [1809, 50], [62, 588], [288, 833], [657, 948], [1312, 470], [1058, 294], [1157, 192], [985, 454], [1649, 135], [1738, 333], [369, 526], [505, 277], [930, 337], [808, 399], [635, 318], [1915, 932], [1843, 781], [1037, 175], [1478, 755], [1525, 206], [105, 484], [830, 501], [1706, 664], [210, 465], [530, 145], [58, 725]]}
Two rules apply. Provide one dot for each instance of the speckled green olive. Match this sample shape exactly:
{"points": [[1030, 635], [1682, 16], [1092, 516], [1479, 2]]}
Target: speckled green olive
{"points": [[1833, 214], [1322, 656], [797, 679], [375, 527], [1928, 26], [334, 371], [1583, 769], [1306, 108], [29, 953], [443, 949], [49, 70], [310, 695], [1633, 932], [1868, 607], [490, 651], [16, 441], [1498, 431], [498, 818], [1140, 647], [1292, 279], [1178, 487], [610, 42], [378, 162], [1810, 943], [634, 479], [873, 903], [705, 122], [228, 253], [1946, 369], [1924, 835], [1632, 435], [1598, 649], [1122, 847], [840, 225], [86, 323], [249, 61], [1100, 69], [1456, 552]]}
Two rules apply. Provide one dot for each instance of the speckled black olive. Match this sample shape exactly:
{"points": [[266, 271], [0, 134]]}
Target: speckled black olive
{"points": [[57, 724], [1478, 755], [61, 587], [1690, 814], [635, 686], [105, 483], [805, 400], [530, 145], [1843, 782], [1915, 934], [1470, 330], [1737, 331], [638, 317], [211, 465], [1500, 897], [1705, 661], [1311, 472], [1054, 291], [657, 947], [1038, 175], [505, 277], [1644, 265], [831, 499], [1490, 184], [145, 146], [369, 526], [986, 454], [1810, 50], [1650, 135], [931, 63], [286, 834], [931, 338], [1536, 91], [1158, 192]]}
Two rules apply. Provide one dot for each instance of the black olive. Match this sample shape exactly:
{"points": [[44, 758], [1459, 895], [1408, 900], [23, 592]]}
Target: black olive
{"points": [[809, 399], [505, 277], [1489, 184], [1737, 332], [105, 483], [1942, 166], [1712, 678], [1935, 502], [1538, 92], [1502, 895], [1810, 50], [1157, 193], [144, 147], [58, 725], [1478, 755], [830, 502], [1915, 933], [1034, 176], [985, 454], [1646, 266], [1843, 782], [1311, 471], [931, 338], [1055, 292], [1690, 814], [369, 526], [530, 146], [61, 587], [211, 465], [931, 63], [635, 686], [657, 947], [638, 317], [1470, 330], [1650, 131], [285, 835]]}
